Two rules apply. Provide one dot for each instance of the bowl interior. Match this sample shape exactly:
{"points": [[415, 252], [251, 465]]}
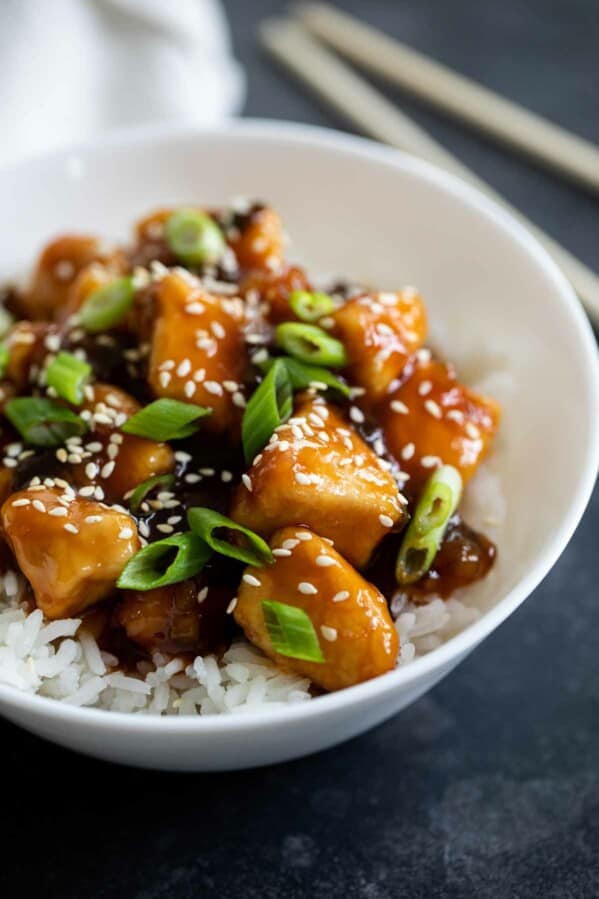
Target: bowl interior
{"points": [[497, 308]]}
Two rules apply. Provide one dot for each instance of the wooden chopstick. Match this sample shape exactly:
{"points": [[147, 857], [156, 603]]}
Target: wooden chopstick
{"points": [[369, 111], [482, 109]]}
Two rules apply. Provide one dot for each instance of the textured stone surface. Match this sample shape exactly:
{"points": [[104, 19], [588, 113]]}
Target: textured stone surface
{"points": [[489, 785]]}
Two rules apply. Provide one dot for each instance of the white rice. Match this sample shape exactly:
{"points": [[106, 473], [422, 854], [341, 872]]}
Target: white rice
{"points": [[59, 660]]}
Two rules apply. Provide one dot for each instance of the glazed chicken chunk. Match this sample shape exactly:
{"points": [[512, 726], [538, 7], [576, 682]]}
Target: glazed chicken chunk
{"points": [[71, 550], [350, 617], [318, 472], [259, 242], [380, 331], [433, 419], [198, 350], [118, 462], [58, 266]]}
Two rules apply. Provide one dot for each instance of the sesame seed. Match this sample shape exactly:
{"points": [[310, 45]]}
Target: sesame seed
{"points": [[203, 593], [184, 368], [329, 633], [195, 308], [107, 469], [471, 430], [455, 415], [58, 512], [167, 365], [164, 378], [356, 415], [38, 504], [231, 606], [182, 456], [386, 521], [10, 463], [71, 528], [399, 407], [303, 535], [290, 543], [213, 387], [192, 478], [20, 502], [92, 519], [430, 461], [433, 408], [217, 329], [302, 478], [87, 491], [226, 476], [207, 472], [165, 528], [238, 399], [276, 552], [61, 454], [307, 588], [251, 580], [341, 596], [125, 533], [247, 481], [199, 375], [425, 388], [189, 389], [408, 451], [325, 561]]}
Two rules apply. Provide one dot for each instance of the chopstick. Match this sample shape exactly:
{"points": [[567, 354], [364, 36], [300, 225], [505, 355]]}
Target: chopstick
{"points": [[480, 108], [348, 93]]}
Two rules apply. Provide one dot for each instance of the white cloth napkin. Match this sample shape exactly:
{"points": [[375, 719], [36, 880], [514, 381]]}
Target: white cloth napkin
{"points": [[70, 69]]}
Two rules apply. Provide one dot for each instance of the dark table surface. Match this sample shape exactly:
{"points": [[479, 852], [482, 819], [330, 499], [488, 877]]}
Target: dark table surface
{"points": [[486, 787]]}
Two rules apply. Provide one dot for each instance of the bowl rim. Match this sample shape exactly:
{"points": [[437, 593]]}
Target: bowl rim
{"points": [[456, 647]]}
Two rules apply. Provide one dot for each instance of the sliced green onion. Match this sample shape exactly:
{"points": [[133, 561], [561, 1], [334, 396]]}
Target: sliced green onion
{"points": [[194, 237], [311, 345], [68, 375], [6, 321], [165, 562], [107, 306], [141, 491], [291, 631], [166, 419], [303, 376], [437, 503], [309, 307], [4, 357], [269, 406], [206, 522], [43, 422]]}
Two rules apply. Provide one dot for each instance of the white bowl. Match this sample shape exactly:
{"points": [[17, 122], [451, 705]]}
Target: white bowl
{"points": [[355, 209]]}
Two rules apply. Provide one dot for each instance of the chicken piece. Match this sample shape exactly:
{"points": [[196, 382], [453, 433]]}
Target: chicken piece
{"points": [[71, 550], [135, 458], [26, 345], [150, 243], [318, 472], [260, 243], [58, 266], [165, 619], [432, 419], [176, 619], [380, 332], [350, 617], [198, 352], [89, 279], [273, 289]]}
